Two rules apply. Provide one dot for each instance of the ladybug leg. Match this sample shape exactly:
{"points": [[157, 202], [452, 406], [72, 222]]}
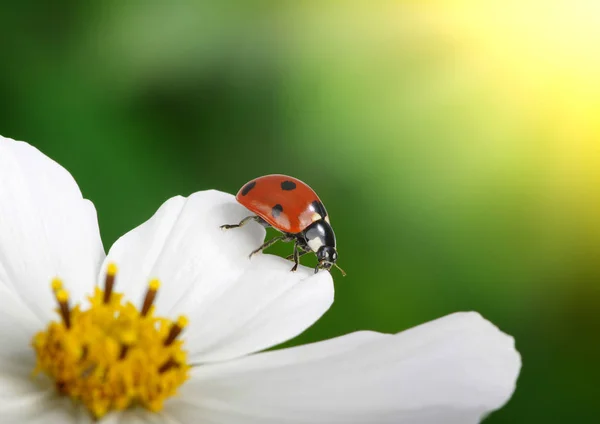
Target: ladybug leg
{"points": [[271, 242], [300, 248], [300, 254], [242, 222], [296, 256]]}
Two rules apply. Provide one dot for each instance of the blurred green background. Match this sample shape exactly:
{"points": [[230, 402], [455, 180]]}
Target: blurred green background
{"points": [[455, 145]]}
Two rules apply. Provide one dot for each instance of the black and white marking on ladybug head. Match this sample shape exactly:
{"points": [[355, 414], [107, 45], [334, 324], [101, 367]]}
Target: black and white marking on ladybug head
{"points": [[327, 256], [320, 238]]}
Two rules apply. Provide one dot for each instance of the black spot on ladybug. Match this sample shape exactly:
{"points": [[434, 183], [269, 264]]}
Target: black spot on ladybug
{"points": [[288, 185], [276, 210], [318, 208], [248, 187]]}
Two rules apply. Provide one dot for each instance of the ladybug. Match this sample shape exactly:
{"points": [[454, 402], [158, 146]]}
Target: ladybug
{"points": [[294, 209]]}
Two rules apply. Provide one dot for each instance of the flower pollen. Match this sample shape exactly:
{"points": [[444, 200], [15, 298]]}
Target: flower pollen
{"points": [[112, 356]]}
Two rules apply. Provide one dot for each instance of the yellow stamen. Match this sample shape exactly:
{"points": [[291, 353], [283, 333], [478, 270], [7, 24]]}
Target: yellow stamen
{"points": [[111, 269], [127, 339], [175, 330], [169, 363], [150, 296], [109, 282], [56, 284], [112, 356], [63, 302], [62, 296]]}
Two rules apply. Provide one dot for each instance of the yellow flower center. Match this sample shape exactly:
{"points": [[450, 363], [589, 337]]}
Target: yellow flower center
{"points": [[112, 356]]}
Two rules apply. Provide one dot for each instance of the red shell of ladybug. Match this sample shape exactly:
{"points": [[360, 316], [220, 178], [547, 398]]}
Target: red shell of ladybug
{"points": [[286, 203]]}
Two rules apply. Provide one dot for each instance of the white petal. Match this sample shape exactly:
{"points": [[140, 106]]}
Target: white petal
{"points": [[24, 399], [452, 370], [235, 305], [46, 229], [17, 327], [43, 405]]}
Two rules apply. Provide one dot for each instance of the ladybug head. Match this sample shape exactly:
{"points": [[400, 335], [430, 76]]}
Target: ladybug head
{"points": [[319, 237], [327, 256]]}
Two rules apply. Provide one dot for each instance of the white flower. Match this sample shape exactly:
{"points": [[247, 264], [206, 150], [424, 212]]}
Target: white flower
{"points": [[452, 370]]}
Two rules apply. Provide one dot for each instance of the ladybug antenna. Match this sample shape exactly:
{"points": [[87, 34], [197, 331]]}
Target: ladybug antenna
{"points": [[341, 270]]}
